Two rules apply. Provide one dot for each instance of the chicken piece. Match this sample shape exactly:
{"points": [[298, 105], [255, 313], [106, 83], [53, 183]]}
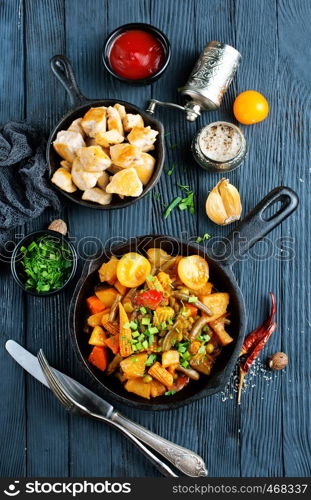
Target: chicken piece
{"points": [[109, 138], [114, 169], [114, 120], [66, 165], [94, 120], [145, 171], [143, 137], [125, 183], [103, 180], [82, 179], [76, 127], [93, 159], [120, 109], [62, 178], [97, 195], [130, 121], [125, 155], [67, 143]]}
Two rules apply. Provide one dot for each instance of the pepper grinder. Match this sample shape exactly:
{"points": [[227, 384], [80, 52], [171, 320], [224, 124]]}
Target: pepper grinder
{"points": [[208, 81]]}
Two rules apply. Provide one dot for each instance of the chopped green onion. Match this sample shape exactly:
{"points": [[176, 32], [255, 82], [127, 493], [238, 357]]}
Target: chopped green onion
{"points": [[171, 207], [143, 310], [133, 325], [170, 393], [149, 277], [192, 299], [153, 329], [201, 350], [145, 321], [151, 359]]}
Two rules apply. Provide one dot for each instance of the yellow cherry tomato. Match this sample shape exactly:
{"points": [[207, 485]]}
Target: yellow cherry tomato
{"points": [[250, 107], [193, 271], [132, 269]]}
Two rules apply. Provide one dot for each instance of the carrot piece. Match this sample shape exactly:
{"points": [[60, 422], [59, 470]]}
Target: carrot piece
{"points": [[125, 333], [99, 357], [191, 310], [161, 374], [95, 305], [121, 288], [113, 343]]}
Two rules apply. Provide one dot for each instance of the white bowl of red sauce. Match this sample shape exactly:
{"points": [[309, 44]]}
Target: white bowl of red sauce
{"points": [[136, 53]]}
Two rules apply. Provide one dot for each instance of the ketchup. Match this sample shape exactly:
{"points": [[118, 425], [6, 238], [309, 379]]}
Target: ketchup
{"points": [[136, 54]]}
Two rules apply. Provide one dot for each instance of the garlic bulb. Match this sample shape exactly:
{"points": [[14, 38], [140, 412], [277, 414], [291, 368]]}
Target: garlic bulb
{"points": [[223, 204]]}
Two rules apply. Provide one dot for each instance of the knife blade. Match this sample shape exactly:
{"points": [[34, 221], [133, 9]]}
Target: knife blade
{"points": [[31, 364]]}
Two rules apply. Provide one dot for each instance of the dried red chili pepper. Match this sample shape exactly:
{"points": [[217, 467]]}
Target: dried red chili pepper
{"points": [[254, 337], [255, 342]]}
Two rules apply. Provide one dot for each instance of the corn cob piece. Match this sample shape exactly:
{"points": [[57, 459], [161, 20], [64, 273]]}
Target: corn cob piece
{"points": [[110, 326], [161, 374], [125, 334], [162, 314], [165, 280]]}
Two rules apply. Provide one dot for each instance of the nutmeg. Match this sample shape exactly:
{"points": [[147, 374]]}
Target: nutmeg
{"points": [[278, 361], [58, 225]]}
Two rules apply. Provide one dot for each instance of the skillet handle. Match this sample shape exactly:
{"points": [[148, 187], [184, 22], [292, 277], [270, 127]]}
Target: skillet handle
{"points": [[63, 71], [256, 225]]}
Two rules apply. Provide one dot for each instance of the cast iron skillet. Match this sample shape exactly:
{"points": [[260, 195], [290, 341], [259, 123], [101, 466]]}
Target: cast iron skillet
{"points": [[61, 67], [253, 228]]}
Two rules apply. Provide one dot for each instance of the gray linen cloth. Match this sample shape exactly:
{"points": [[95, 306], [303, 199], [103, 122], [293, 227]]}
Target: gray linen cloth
{"points": [[24, 189]]}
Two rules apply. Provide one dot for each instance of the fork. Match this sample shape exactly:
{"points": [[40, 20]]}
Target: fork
{"points": [[74, 407]]}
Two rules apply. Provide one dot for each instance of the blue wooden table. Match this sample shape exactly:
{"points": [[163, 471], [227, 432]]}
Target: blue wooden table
{"points": [[269, 434]]}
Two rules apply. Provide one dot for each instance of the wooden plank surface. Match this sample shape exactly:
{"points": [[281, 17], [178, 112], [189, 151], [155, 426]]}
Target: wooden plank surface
{"points": [[269, 434]]}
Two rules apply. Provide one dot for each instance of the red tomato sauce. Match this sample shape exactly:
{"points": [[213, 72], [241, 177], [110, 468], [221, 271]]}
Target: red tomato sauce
{"points": [[136, 54]]}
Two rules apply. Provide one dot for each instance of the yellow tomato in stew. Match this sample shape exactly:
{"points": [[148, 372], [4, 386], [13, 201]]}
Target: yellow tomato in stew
{"points": [[250, 107], [193, 271], [132, 269]]}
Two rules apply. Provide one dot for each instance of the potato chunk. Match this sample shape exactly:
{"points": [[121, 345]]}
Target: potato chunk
{"points": [[62, 178], [125, 183], [67, 144], [130, 121], [134, 366], [143, 137], [93, 159], [94, 120], [217, 303], [139, 387]]}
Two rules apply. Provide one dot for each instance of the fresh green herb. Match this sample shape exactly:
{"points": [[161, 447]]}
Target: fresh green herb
{"points": [[47, 264], [151, 359], [143, 310], [171, 206], [171, 170], [170, 393], [157, 196], [205, 237], [192, 299]]}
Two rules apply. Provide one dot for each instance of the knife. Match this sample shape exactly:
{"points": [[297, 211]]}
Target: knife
{"points": [[185, 460]]}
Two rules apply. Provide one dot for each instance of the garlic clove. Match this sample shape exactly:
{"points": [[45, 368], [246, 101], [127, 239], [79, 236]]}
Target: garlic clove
{"points": [[223, 204], [215, 209], [231, 200]]}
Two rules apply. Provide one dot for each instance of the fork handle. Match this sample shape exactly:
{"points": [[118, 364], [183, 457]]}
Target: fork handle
{"points": [[183, 459], [161, 466]]}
